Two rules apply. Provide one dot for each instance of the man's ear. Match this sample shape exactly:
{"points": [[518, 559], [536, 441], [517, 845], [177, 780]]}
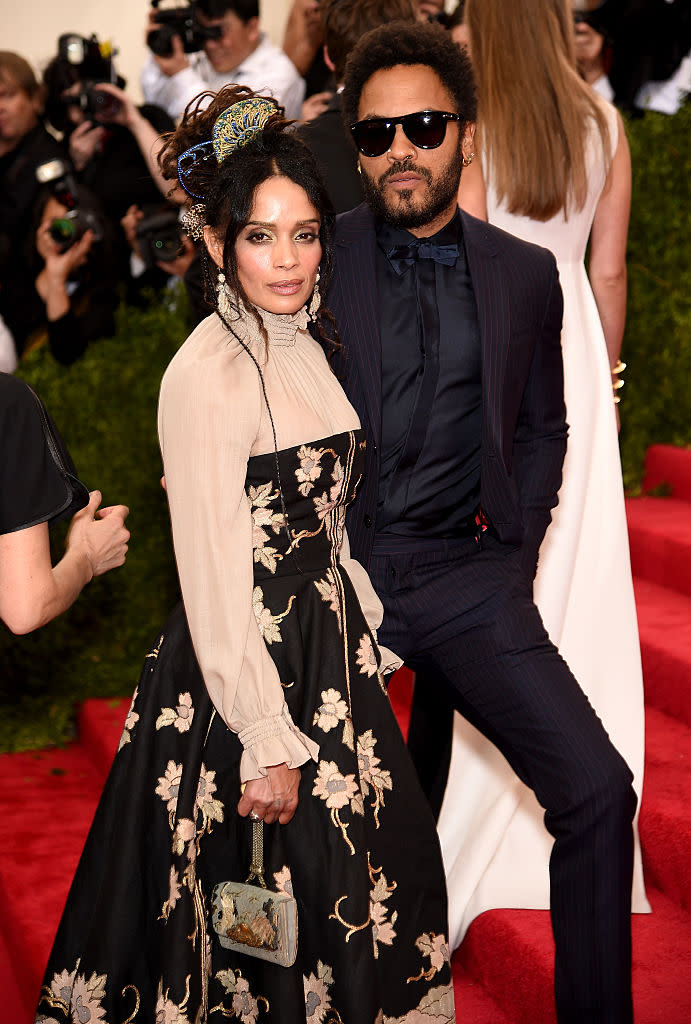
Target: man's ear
{"points": [[468, 141], [253, 31], [214, 246]]}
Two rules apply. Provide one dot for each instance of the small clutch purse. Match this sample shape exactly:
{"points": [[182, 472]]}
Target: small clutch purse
{"points": [[251, 918]]}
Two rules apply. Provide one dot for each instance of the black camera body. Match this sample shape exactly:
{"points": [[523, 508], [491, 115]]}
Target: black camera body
{"points": [[159, 236], [182, 22], [67, 230], [96, 103]]}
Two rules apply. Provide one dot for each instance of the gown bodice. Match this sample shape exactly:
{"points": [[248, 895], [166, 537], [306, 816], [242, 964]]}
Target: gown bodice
{"points": [[318, 479]]}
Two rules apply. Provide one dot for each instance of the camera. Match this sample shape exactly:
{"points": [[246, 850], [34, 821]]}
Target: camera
{"points": [[182, 22], [67, 230], [58, 176], [159, 236], [94, 102], [93, 59]]}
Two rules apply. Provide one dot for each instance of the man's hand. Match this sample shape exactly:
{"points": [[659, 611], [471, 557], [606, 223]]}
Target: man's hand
{"points": [[85, 141], [177, 61], [272, 798]]}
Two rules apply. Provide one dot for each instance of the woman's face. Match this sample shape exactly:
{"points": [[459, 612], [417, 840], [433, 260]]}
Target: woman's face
{"points": [[278, 251]]}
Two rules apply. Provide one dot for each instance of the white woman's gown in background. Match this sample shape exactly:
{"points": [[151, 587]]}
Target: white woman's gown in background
{"points": [[495, 845]]}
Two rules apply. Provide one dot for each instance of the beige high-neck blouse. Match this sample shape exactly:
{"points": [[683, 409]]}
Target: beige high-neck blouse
{"points": [[212, 417]]}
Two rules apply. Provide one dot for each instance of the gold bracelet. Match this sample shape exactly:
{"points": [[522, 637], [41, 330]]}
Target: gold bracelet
{"points": [[617, 381]]}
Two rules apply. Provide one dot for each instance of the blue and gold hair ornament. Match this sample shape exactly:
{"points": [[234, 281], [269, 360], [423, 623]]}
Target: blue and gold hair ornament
{"points": [[235, 127]]}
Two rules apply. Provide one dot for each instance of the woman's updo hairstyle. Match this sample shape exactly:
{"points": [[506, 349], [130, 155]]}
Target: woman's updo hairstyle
{"points": [[227, 188]]}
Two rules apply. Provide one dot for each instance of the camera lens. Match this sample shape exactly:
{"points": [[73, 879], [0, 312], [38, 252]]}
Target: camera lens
{"points": [[63, 231], [104, 104]]}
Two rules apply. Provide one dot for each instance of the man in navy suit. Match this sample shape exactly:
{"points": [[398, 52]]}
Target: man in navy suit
{"points": [[450, 333]]}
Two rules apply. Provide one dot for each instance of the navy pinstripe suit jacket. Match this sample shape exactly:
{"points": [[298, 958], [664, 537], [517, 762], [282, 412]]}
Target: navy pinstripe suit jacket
{"points": [[520, 306]]}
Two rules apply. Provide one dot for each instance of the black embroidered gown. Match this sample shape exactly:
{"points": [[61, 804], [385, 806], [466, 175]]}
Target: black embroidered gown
{"points": [[136, 942]]}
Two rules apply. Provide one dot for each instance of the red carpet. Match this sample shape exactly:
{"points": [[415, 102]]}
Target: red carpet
{"points": [[502, 972]]}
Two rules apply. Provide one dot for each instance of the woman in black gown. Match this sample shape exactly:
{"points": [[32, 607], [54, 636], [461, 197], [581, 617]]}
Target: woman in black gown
{"points": [[270, 676]]}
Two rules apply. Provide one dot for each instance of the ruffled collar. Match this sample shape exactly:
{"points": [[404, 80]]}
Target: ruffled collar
{"points": [[281, 328]]}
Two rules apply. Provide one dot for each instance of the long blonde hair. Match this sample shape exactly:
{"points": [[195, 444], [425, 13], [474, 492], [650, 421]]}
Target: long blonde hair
{"points": [[534, 109]]}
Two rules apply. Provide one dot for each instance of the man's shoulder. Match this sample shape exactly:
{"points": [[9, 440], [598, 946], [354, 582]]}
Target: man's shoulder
{"points": [[354, 225]]}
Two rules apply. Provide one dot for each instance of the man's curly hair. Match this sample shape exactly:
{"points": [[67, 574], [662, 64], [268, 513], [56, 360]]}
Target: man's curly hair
{"points": [[398, 43]]}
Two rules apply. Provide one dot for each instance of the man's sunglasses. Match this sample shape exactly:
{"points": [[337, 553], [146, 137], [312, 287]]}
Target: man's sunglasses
{"points": [[426, 130]]}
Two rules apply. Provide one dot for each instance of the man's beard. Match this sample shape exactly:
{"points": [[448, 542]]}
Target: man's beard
{"points": [[405, 213]]}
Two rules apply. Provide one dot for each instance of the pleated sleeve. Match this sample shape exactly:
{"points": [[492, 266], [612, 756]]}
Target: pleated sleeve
{"points": [[209, 416]]}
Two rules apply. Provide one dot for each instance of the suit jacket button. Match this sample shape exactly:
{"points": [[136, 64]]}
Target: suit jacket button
{"points": [[367, 520]]}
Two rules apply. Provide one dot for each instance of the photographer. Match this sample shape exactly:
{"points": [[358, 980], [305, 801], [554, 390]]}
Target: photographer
{"points": [[112, 142], [24, 145], [209, 44], [160, 246], [75, 291]]}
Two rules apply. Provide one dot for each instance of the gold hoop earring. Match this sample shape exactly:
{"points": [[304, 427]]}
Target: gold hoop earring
{"points": [[467, 160]]}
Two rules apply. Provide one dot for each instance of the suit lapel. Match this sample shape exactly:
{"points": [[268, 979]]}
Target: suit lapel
{"points": [[494, 321], [355, 299]]}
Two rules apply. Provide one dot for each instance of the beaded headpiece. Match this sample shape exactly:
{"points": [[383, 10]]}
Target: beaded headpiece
{"points": [[235, 127]]}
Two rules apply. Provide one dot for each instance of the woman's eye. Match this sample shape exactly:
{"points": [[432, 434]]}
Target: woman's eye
{"points": [[307, 236], [257, 236]]}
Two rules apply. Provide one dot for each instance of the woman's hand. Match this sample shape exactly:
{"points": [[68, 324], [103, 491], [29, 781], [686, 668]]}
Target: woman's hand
{"points": [[51, 283], [273, 797], [59, 265], [101, 534]]}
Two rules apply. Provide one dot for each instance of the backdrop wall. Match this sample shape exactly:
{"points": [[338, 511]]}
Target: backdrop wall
{"points": [[32, 28]]}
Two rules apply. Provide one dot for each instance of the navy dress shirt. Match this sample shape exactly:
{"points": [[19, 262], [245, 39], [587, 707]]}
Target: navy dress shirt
{"points": [[431, 385]]}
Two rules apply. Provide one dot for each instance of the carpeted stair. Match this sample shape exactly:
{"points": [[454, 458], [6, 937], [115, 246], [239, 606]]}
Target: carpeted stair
{"points": [[503, 970]]}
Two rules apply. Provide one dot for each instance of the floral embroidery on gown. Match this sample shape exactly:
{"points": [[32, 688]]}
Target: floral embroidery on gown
{"points": [[136, 942]]}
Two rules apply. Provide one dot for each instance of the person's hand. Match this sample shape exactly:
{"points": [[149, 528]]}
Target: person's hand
{"points": [[315, 105], [129, 225], [176, 61], [59, 265], [100, 533], [180, 264], [272, 798], [127, 112], [303, 33], [85, 141]]}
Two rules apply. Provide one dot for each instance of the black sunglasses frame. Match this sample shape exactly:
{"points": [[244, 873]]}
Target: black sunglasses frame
{"points": [[408, 124]]}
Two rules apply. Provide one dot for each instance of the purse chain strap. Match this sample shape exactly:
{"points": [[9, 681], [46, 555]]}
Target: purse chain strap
{"points": [[257, 865]]}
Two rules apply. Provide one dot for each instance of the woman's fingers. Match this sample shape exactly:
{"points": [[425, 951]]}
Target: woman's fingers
{"points": [[272, 798]]}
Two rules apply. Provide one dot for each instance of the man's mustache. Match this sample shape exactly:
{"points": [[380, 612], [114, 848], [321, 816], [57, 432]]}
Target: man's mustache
{"points": [[402, 167]]}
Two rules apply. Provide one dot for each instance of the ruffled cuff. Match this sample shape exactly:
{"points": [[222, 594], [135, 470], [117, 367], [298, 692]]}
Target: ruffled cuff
{"points": [[274, 740], [390, 662]]}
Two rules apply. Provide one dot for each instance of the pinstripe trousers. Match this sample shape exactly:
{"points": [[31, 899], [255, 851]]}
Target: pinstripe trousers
{"points": [[462, 613]]}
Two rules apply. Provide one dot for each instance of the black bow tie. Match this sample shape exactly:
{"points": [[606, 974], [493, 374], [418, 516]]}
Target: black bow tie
{"points": [[403, 256]]}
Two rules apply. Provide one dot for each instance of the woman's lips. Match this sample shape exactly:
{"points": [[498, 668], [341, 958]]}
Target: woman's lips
{"points": [[286, 287]]}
